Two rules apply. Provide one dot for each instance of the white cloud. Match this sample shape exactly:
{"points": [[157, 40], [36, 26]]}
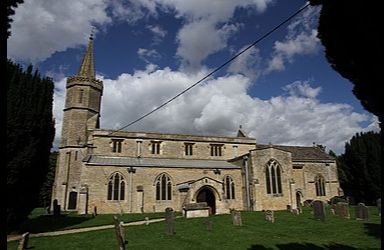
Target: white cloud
{"points": [[148, 55], [247, 63], [42, 27], [301, 39], [220, 105]]}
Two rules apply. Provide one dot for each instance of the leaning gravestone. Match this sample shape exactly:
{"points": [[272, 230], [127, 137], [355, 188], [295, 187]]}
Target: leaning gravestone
{"points": [[319, 210], [361, 212], [169, 221], [378, 203], [342, 210], [236, 218], [269, 216]]}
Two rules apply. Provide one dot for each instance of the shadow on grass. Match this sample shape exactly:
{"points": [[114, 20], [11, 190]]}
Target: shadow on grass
{"points": [[304, 246], [47, 223], [372, 229]]}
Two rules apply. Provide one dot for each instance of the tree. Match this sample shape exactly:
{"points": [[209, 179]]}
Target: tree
{"points": [[30, 132], [46, 189], [360, 167], [351, 33], [11, 5]]}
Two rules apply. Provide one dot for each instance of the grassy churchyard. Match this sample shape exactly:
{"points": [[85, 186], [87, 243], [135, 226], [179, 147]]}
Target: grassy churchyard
{"points": [[289, 231]]}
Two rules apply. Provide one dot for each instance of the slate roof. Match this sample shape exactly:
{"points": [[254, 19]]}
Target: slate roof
{"points": [[157, 162], [301, 153]]}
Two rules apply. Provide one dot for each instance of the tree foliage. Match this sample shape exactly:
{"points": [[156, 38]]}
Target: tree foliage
{"points": [[360, 167], [30, 132], [351, 33], [46, 189]]}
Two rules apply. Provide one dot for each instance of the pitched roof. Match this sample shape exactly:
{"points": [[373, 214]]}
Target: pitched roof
{"points": [[157, 162], [301, 153]]}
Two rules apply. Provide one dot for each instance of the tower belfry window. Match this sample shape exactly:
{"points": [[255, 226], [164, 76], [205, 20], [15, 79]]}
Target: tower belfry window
{"points": [[81, 95]]}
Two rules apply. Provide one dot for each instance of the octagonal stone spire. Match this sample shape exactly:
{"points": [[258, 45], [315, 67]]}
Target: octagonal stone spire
{"points": [[87, 68]]}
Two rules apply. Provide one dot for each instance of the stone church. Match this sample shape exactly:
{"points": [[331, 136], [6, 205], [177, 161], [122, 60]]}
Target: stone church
{"points": [[135, 172]]}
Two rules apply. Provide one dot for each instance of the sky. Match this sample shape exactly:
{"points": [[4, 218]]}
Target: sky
{"points": [[281, 91]]}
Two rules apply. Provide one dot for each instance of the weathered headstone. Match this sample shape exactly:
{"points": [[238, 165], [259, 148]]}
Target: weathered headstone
{"points": [[48, 209], [146, 221], [119, 231], [23, 243], [289, 207], [361, 212], [269, 216], [295, 211], [94, 213], [332, 210], [56, 208], [236, 218], [342, 210], [378, 203], [319, 210], [209, 225], [169, 221]]}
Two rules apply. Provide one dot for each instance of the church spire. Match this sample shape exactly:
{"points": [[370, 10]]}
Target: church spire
{"points": [[87, 68]]}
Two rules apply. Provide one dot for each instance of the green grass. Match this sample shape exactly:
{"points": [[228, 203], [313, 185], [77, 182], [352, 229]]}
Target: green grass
{"points": [[288, 232], [38, 221]]}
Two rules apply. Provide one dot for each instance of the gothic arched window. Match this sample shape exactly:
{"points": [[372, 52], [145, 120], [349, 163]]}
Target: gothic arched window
{"points": [[163, 187], [229, 187], [273, 177], [116, 187], [320, 185]]}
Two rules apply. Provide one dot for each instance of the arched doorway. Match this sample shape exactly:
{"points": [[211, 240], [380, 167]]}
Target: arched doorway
{"points": [[206, 195], [298, 199]]}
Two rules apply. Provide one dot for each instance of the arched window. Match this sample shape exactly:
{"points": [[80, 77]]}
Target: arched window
{"points": [[320, 185], [163, 187], [273, 177], [229, 187], [116, 187]]}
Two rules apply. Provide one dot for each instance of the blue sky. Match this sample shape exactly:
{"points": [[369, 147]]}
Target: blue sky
{"points": [[282, 91]]}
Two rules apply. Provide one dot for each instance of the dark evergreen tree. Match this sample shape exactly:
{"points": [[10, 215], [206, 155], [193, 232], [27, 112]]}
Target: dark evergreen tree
{"points": [[30, 132], [46, 189], [360, 167], [350, 32]]}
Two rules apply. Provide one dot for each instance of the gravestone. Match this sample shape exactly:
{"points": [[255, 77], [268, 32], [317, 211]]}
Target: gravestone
{"points": [[146, 221], [361, 212], [289, 207], [209, 225], [332, 210], [295, 211], [319, 210], [378, 203], [94, 213], [269, 216], [199, 209], [56, 208], [342, 210], [23, 243], [236, 218], [119, 231], [169, 221]]}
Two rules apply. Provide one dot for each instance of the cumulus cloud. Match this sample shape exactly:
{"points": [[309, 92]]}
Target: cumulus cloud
{"points": [[301, 39], [248, 64], [220, 105], [41, 27]]}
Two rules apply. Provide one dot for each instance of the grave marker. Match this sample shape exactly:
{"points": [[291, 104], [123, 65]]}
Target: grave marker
{"points": [[361, 212], [269, 216], [119, 231], [23, 243], [169, 221], [342, 210], [319, 210], [236, 218]]}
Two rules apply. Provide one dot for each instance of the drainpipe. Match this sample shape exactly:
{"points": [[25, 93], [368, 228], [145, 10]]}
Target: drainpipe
{"points": [[245, 158]]}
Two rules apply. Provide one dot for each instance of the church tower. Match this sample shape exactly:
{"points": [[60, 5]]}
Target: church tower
{"points": [[81, 114]]}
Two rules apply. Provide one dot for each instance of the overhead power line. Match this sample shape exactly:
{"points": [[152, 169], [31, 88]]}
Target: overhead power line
{"points": [[215, 70]]}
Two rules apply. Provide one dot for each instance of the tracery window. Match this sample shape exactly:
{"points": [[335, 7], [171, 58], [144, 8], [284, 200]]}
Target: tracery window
{"points": [[163, 187], [273, 177], [320, 185], [229, 187], [116, 187]]}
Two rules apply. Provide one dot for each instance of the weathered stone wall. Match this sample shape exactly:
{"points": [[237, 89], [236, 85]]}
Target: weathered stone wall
{"points": [[97, 177]]}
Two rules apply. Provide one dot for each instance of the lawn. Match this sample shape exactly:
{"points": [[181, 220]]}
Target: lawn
{"points": [[288, 232]]}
